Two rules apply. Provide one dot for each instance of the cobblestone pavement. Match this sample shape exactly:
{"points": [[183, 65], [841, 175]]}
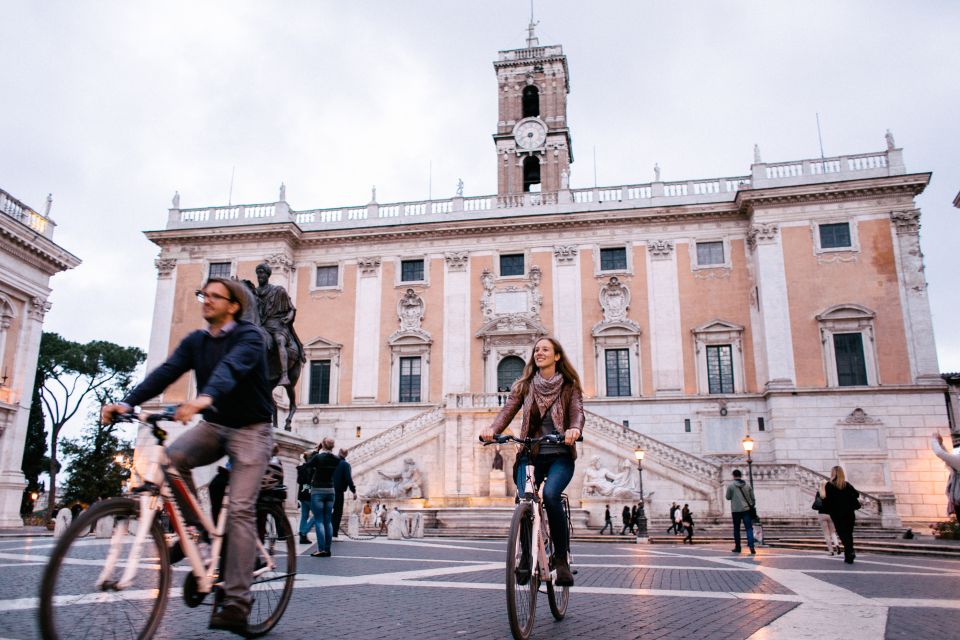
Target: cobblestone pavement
{"points": [[385, 590]]}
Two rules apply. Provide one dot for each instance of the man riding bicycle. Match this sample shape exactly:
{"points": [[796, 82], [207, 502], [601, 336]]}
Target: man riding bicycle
{"points": [[228, 359]]}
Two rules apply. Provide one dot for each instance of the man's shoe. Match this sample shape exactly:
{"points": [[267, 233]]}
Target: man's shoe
{"points": [[230, 617], [753, 551], [735, 550], [304, 539], [320, 554], [564, 575]]}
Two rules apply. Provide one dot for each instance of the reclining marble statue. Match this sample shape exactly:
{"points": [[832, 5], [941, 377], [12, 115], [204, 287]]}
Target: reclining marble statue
{"points": [[600, 481], [403, 484]]}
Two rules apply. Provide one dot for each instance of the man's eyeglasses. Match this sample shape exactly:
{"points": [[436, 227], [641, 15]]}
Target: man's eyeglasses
{"points": [[214, 297]]}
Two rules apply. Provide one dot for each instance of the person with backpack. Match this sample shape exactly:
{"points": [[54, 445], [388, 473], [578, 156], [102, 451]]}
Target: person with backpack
{"points": [[303, 496]]}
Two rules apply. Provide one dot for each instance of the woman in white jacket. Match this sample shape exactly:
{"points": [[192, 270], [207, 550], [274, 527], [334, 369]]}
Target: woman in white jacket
{"points": [[953, 462]]}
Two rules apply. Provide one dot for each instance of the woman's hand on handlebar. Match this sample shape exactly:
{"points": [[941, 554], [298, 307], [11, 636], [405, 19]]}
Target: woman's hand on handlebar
{"points": [[487, 434], [570, 436]]}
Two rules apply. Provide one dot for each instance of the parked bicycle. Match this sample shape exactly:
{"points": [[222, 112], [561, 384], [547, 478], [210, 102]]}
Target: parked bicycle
{"points": [[110, 574], [530, 560]]}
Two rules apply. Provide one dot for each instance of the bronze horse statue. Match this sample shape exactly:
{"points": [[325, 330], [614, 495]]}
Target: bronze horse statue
{"points": [[295, 358]]}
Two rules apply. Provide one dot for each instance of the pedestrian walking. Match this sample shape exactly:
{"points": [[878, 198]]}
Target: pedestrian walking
{"points": [[673, 511], [842, 502], [626, 520], [686, 517], [742, 501], [342, 480], [678, 522], [634, 519], [607, 521], [322, 494], [366, 515], [826, 523], [303, 496]]}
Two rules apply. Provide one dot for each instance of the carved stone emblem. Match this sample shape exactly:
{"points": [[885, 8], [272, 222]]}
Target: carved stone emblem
{"points": [[906, 221], [660, 248], [368, 266], [763, 232], [165, 266], [859, 416], [615, 300], [410, 310], [565, 254], [457, 260]]}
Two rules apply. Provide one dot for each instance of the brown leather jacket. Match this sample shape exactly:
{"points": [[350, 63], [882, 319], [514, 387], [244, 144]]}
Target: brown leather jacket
{"points": [[572, 400]]}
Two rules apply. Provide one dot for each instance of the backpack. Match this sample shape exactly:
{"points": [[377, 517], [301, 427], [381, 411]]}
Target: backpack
{"points": [[304, 474]]}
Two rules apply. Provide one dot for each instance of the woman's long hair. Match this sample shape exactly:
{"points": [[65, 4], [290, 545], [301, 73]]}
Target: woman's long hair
{"points": [[837, 477], [564, 368]]}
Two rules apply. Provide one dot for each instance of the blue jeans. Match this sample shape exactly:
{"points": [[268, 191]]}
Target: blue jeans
{"points": [[306, 518], [743, 516], [558, 470], [321, 504]]}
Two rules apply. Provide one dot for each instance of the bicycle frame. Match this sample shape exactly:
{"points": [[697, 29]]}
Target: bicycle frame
{"points": [[540, 535]]}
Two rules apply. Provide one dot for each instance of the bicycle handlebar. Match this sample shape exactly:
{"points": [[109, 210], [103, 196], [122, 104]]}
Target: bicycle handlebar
{"points": [[552, 438]]}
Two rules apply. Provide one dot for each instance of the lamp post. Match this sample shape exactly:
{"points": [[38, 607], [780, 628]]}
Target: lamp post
{"points": [[641, 513], [748, 447]]}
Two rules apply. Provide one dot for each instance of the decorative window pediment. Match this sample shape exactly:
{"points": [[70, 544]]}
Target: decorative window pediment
{"points": [[718, 348], [848, 345]]}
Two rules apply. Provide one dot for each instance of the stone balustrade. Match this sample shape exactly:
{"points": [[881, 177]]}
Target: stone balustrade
{"points": [[634, 196], [20, 212], [375, 445]]}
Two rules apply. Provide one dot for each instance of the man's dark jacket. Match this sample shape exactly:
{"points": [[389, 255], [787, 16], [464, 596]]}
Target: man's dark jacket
{"points": [[231, 368], [342, 478]]}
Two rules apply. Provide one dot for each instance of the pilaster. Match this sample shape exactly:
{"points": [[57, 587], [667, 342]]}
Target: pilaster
{"points": [[567, 308], [366, 340], [665, 335], [774, 306], [456, 323], [162, 312]]}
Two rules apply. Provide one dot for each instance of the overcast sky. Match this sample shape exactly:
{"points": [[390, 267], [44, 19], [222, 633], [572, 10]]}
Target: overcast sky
{"points": [[111, 106]]}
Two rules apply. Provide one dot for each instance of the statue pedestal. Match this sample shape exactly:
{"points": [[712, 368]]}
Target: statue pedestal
{"points": [[498, 483]]}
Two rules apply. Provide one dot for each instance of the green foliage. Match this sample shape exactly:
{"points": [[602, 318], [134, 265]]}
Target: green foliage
{"points": [[69, 372], [94, 470], [35, 460], [948, 529]]}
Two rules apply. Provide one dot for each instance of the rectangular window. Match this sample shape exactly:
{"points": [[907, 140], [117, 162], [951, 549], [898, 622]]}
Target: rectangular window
{"points": [[720, 368], [851, 365], [410, 379], [835, 236], [319, 382], [618, 372], [686, 425], [219, 270], [709, 253], [511, 265], [411, 271], [761, 425], [327, 276], [614, 259]]}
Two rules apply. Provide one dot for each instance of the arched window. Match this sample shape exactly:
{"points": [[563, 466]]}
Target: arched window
{"points": [[508, 371], [531, 174], [531, 101]]}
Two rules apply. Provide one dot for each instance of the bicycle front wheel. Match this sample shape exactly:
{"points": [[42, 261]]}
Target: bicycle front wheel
{"points": [[522, 581], [558, 597], [87, 590], [274, 571]]}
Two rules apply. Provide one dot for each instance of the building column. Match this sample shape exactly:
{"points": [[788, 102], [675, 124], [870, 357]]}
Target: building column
{"points": [[776, 337], [456, 323], [917, 319], [366, 336], [13, 435], [666, 347], [567, 307], [162, 312]]}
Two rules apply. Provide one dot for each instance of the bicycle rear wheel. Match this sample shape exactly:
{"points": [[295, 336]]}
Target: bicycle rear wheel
{"points": [[272, 585], [80, 598], [521, 579]]}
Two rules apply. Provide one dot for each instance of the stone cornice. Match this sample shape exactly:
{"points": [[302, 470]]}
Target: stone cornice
{"points": [[287, 231], [35, 249], [910, 184]]}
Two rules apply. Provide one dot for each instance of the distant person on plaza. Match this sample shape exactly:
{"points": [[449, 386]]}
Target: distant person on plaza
{"points": [[626, 520], [366, 515], [678, 522], [673, 512], [303, 496], [634, 519], [549, 397], [342, 480], [953, 484], [382, 517], [842, 502], [322, 465], [741, 498], [826, 523], [687, 518], [607, 521]]}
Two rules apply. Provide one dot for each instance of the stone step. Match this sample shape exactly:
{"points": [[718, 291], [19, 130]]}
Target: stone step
{"points": [[903, 547]]}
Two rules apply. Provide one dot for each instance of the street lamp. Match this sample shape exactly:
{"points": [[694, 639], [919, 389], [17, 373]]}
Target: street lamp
{"points": [[638, 453], [748, 447]]}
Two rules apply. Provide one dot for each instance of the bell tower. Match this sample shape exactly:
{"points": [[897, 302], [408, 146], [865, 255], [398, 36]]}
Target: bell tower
{"points": [[534, 150]]}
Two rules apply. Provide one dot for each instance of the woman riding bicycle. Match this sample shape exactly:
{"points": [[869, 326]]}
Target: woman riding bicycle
{"points": [[550, 395]]}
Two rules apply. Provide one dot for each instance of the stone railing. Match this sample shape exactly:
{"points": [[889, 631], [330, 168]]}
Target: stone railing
{"points": [[810, 480], [686, 463], [476, 400], [20, 212], [375, 445], [653, 194]]}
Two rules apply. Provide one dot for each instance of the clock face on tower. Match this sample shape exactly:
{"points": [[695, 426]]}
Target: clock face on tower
{"points": [[530, 133]]}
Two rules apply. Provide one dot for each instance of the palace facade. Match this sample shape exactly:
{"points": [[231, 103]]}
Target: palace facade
{"points": [[787, 303]]}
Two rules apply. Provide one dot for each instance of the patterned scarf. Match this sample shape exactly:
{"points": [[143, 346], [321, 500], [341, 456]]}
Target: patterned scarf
{"points": [[544, 392]]}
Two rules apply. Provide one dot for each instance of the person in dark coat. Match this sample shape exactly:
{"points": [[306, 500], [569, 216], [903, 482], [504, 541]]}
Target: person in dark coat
{"points": [[607, 521], [342, 480], [687, 519], [673, 512], [841, 503], [627, 521]]}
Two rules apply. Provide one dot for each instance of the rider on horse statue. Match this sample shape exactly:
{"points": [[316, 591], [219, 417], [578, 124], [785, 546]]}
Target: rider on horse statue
{"points": [[276, 317]]}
